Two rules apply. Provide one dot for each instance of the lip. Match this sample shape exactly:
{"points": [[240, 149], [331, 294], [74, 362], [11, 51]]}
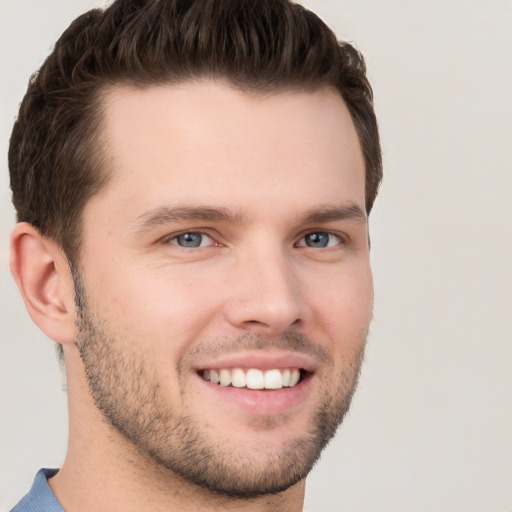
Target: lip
{"points": [[262, 361], [259, 402]]}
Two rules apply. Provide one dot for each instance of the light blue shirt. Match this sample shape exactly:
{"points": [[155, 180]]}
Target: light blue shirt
{"points": [[40, 498]]}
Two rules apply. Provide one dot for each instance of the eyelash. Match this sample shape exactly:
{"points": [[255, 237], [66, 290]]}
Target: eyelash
{"points": [[173, 239], [202, 234], [340, 239]]}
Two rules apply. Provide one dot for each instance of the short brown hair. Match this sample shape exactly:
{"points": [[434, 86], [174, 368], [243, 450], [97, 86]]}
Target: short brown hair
{"points": [[55, 154]]}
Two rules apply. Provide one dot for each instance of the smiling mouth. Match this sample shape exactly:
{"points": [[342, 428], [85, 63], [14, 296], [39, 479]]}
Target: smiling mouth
{"points": [[253, 378]]}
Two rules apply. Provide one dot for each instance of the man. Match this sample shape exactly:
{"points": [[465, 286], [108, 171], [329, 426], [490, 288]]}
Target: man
{"points": [[192, 182]]}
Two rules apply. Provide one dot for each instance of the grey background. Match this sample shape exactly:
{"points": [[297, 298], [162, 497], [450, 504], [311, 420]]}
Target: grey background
{"points": [[430, 427]]}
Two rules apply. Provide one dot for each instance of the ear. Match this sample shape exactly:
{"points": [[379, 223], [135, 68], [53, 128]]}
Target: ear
{"points": [[43, 276]]}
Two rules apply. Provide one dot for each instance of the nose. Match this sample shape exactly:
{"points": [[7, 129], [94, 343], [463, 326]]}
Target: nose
{"points": [[266, 296]]}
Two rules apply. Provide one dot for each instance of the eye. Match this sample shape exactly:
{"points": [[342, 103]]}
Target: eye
{"points": [[319, 240], [192, 240]]}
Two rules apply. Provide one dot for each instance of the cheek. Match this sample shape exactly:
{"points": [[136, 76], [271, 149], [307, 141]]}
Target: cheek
{"points": [[342, 308], [161, 307]]}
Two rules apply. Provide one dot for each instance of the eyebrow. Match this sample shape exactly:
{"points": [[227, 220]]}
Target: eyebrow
{"points": [[330, 214], [168, 214]]}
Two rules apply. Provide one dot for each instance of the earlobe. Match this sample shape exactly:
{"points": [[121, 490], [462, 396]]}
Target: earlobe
{"points": [[42, 274]]}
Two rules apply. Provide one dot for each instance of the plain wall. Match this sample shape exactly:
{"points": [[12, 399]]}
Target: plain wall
{"points": [[430, 426]]}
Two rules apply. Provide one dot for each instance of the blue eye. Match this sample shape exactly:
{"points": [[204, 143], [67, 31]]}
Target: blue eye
{"points": [[191, 240], [319, 240]]}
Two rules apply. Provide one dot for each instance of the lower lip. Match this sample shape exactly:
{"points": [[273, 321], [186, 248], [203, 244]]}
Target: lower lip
{"points": [[262, 402]]}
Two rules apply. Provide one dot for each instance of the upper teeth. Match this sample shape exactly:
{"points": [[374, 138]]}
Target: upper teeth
{"points": [[253, 378]]}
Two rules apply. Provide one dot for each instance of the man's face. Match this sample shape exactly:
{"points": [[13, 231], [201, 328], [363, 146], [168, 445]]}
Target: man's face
{"points": [[231, 244]]}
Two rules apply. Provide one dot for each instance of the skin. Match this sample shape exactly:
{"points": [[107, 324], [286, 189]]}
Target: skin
{"points": [[277, 168]]}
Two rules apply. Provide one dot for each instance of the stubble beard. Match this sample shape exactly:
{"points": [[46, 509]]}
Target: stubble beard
{"points": [[124, 388]]}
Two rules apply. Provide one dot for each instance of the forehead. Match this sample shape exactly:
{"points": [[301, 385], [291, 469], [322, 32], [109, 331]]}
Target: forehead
{"points": [[208, 142]]}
